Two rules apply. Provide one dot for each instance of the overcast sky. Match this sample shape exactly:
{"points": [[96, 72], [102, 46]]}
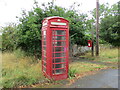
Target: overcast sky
{"points": [[9, 9]]}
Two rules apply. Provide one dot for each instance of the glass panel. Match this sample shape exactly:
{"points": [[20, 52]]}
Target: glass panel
{"points": [[58, 37], [44, 37], [58, 43], [44, 64], [44, 58], [60, 71], [44, 69], [57, 49], [44, 32], [58, 60], [60, 32], [44, 48], [53, 71], [44, 42], [59, 65], [44, 53], [58, 54]]}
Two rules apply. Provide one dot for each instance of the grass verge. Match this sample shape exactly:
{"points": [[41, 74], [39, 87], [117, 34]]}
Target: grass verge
{"points": [[76, 70], [19, 71], [106, 55]]}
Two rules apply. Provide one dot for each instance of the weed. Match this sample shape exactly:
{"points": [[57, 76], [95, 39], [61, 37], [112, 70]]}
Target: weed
{"points": [[72, 72]]}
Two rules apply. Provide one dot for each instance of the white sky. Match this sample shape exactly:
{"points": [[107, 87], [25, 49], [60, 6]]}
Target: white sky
{"points": [[9, 9]]}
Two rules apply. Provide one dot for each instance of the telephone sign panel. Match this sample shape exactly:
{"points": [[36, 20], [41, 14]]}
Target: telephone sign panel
{"points": [[55, 47]]}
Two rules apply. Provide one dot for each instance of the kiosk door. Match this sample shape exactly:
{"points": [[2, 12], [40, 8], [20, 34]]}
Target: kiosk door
{"points": [[58, 52]]}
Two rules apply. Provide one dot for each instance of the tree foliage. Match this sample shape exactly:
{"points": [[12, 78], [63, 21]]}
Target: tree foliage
{"points": [[109, 23], [27, 34], [110, 26], [30, 28], [9, 37]]}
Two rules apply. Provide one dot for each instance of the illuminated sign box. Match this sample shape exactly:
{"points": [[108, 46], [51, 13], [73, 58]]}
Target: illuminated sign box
{"points": [[58, 23]]}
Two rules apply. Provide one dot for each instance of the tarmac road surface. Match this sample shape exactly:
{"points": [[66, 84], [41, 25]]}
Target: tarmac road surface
{"points": [[102, 79]]}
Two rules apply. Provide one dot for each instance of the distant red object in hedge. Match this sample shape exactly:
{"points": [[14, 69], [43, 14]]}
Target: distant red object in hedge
{"points": [[89, 43]]}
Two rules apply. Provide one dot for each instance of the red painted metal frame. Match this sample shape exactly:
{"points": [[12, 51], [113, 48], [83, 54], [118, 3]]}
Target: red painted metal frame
{"points": [[50, 33]]}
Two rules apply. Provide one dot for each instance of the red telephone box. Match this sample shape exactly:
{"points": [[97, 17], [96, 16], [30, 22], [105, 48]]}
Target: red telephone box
{"points": [[89, 43], [55, 47]]}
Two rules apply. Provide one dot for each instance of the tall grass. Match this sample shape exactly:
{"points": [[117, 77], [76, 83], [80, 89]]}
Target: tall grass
{"points": [[19, 70], [110, 53], [106, 55]]}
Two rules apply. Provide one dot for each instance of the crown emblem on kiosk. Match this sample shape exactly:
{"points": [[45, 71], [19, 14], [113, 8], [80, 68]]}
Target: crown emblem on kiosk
{"points": [[58, 20]]}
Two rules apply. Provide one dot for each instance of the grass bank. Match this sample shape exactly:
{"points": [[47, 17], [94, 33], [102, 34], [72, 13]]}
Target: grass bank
{"points": [[19, 70], [107, 55]]}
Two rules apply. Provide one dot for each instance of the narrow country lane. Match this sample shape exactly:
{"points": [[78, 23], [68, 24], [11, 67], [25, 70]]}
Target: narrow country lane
{"points": [[103, 79]]}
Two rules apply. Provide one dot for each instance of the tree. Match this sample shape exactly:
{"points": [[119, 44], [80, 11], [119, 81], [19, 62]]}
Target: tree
{"points": [[30, 28], [109, 24], [110, 27], [29, 32], [9, 37]]}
